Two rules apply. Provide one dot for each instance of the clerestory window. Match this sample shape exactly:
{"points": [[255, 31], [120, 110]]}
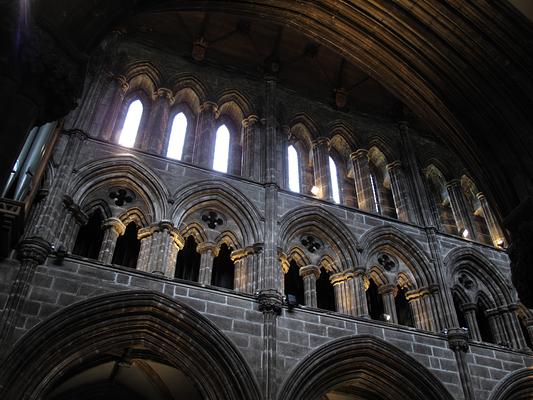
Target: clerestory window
{"points": [[221, 157], [131, 124], [294, 169], [334, 181], [177, 137]]}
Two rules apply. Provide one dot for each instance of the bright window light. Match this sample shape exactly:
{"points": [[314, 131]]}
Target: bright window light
{"points": [[294, 172], [375, 192], [131, 124], [177, 137], [220, 160], [334, 181]]}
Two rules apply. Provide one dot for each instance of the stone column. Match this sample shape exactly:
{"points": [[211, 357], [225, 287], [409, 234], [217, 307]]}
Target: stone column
{"points": [[160, 244], [469, 311], [113, 228], [343, 286], [402, 202], [270, 303], [48, 222], [496, 234], [32, 252], [361, 306], [208, 252], [109, 128], [252, 149], [321, 168], [389, 306], [204, 138], [421, 308], [460, 208], [156, 130], [240, 260], [310, 274], [365, 195], [421, 205], [512, 327], [458, 343], [529, 327], [74, 219]]}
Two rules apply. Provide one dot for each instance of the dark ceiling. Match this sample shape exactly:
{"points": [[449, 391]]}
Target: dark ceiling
{"points": [[251, 46]]}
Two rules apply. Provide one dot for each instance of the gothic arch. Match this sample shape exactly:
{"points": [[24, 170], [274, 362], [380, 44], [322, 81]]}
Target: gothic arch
{"points": [[186, 97], [517, 385], [397, 243], [240, 101], [346, 132], [311, 129], [143, 74], [122, 170], [194, 88], [384, 146], [472, 261], [219, 195], [162, 327], [325, 227], [388, 372]]}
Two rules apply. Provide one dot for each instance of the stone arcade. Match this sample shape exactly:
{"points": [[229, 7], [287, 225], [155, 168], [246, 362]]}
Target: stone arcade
{"points": [[248, 200]]}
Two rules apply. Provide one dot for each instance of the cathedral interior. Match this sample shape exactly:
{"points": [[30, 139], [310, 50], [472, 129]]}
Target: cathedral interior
{"points": [[266, 200]]}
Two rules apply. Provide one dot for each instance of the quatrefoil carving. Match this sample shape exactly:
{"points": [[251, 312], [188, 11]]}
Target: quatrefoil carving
{"points": [[310, 243], [212, 219]]}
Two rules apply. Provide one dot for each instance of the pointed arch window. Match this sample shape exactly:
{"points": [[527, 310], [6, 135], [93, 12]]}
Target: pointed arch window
{"points": [[177, 137], [221, 157], [334, 181], [131, 124], [294, 169]]}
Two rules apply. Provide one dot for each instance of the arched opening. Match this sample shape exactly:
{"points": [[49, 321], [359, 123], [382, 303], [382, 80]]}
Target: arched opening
{"points": [[293, 169], [127, 247], [479, 222], [188, 261], [403, 309], [325, 294], [165, 345], [441, 199], [221, 156], [294, 285], [381, 184], [131, 125], [374, 301], [460, 314], [133, 377], [361, 368], [177, 137], [223, 268], [483, 324], [335, 191], [90, 236]]}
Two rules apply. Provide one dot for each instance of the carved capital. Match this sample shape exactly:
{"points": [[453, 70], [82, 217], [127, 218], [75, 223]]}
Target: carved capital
{"points": [[209, 107], [454, 183], [458, 339], [250, 121], [337, 278], [34, 250], [270, 301], [114, 223], [310, 270], [205, 247], [395, 165], [321, 141], [359, 154]]}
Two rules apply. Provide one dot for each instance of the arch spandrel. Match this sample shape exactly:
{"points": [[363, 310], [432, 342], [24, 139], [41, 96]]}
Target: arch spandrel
{"points": [[479, 267], [326, 227], [391, 240], [126, 171], [218, 195], [164, 328]]}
